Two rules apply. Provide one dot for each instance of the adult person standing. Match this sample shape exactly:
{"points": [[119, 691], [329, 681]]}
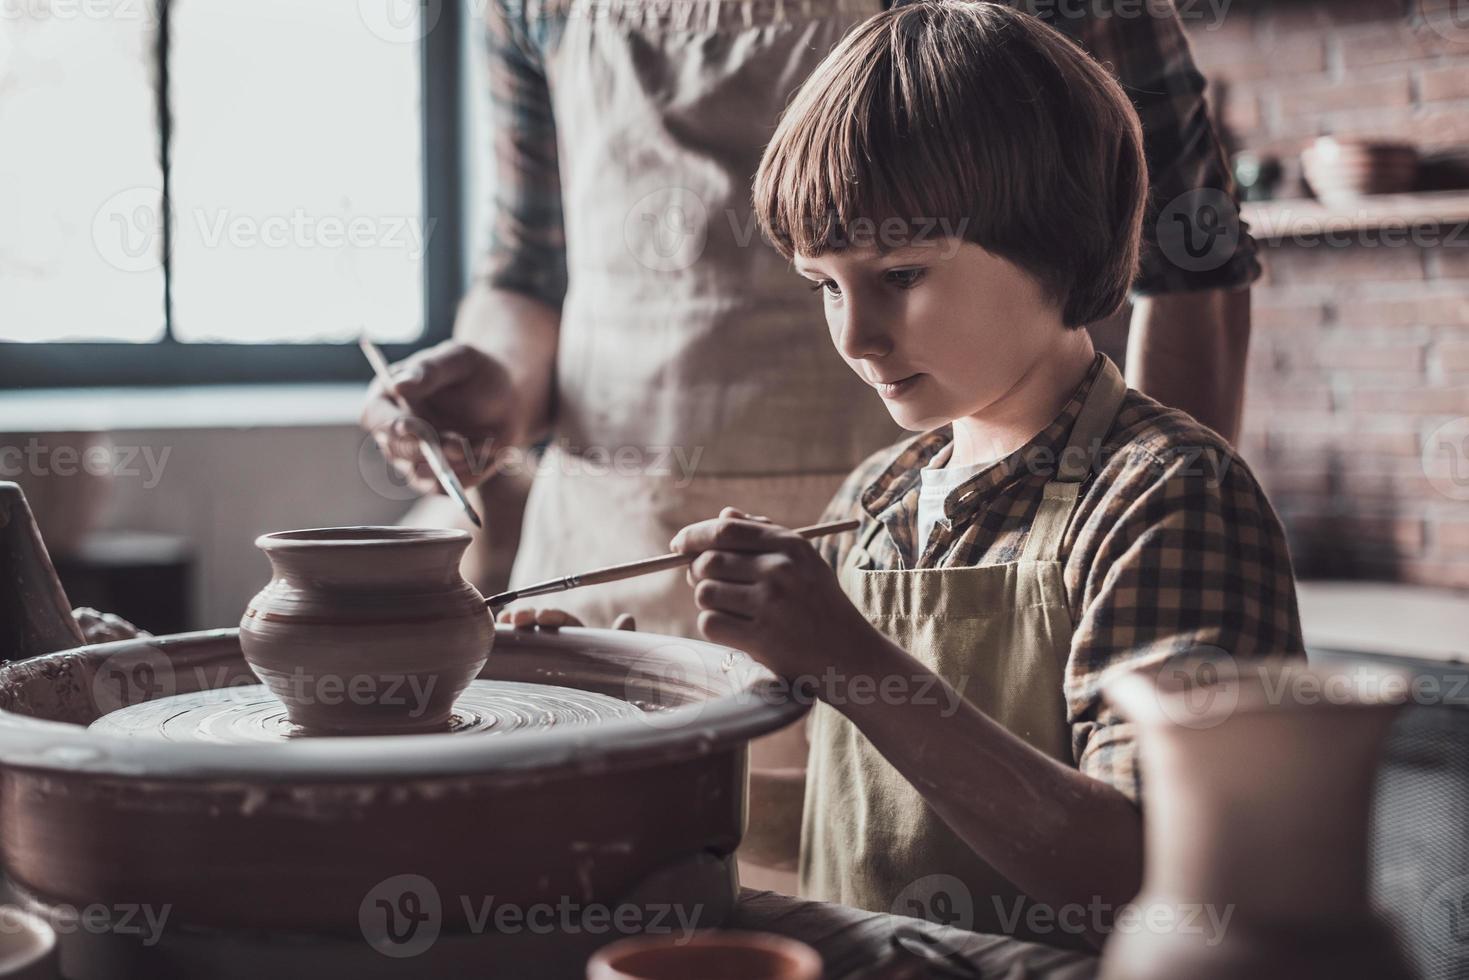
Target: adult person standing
{"points": [[629, 313]]}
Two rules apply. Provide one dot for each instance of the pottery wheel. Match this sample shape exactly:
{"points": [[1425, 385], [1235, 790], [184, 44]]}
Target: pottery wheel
{"points": [[250, 713]]}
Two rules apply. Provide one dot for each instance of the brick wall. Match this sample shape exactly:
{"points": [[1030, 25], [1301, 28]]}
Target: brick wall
{"points": [[1360, 354]]}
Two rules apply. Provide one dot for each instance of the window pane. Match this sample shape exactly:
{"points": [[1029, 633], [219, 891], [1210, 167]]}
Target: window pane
{"points": [[296, 172], [79, 179]]}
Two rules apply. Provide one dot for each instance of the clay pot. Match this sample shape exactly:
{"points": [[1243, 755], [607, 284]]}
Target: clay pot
{"points": [[715, 955], [366, 629], [27, 946], [1259, 782]]}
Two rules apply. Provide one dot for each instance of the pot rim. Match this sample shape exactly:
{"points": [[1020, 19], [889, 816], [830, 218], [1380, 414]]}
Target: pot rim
{"points": [[704, 728], [359, 536], [799, 957], [1201, 692]]}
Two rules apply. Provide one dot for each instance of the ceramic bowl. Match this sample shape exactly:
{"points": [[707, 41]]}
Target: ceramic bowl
{"points": [[714, 955], [1343, 169]]}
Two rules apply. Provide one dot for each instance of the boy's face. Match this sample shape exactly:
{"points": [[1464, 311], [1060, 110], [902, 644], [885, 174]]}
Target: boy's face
{"points": [[940, 332]]}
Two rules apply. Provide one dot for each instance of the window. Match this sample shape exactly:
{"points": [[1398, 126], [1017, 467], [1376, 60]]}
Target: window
{"points": [[224, 191]]}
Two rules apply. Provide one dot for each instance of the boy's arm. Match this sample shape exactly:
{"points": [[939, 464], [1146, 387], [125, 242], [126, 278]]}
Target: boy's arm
{"points": [[1175, 556]]}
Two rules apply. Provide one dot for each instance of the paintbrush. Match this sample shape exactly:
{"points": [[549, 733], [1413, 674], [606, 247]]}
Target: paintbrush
{"points": [[616, 573], [431, 452]]}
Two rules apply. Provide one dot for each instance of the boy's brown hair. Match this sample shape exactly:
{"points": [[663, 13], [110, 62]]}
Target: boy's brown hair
{"points": [[971, 120]]}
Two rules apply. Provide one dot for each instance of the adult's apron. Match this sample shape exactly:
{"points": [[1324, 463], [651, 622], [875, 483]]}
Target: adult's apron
{"points": [[694, 368], [1001, 635]]}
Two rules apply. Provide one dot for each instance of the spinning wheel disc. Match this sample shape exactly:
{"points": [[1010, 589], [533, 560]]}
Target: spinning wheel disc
{"points": [[251, 714]]}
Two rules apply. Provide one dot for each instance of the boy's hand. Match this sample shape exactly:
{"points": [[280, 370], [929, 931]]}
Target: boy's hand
{"points": [[763, 589]]}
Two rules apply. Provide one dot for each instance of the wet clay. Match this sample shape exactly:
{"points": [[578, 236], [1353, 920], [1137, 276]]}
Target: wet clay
{"points": [[247, 714], [366, 630]]}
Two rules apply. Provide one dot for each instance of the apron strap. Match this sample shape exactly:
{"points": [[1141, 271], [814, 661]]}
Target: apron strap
{"points": [[858, 554], [1093, 423]]}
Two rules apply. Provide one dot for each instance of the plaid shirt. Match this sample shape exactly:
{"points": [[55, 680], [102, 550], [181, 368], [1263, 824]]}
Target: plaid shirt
{"points": [[1172, 548], [1146, 49]]}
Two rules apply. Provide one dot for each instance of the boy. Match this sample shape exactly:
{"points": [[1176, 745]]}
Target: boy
{"points": [[965, 188]]}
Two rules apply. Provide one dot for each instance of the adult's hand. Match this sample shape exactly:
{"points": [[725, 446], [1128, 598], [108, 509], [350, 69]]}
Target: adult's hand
{"points": [[457, 396]]}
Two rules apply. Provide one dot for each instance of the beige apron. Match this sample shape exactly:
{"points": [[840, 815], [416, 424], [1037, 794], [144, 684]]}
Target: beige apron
{"points": [[1000, 634], [694, 368]]}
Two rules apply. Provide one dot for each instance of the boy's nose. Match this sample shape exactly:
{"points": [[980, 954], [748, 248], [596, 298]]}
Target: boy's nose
{"points": [[860, 335]]}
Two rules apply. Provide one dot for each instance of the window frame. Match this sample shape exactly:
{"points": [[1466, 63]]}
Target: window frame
{"points": [[172, 362]]}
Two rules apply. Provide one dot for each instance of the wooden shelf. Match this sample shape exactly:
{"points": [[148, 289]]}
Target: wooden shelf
{"points": [[1308, 217]]}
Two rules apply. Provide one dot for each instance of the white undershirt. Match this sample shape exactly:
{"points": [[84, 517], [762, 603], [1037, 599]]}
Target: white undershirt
{"points": [[937, 483]]}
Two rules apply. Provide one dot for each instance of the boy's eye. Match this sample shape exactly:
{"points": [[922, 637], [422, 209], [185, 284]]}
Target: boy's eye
{"points": [[827, 284], [905, 278]]}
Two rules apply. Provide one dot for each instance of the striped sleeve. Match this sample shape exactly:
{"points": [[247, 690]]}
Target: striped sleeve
{"points": [[527, 250]]}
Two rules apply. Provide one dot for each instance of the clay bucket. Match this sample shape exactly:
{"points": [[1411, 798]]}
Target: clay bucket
{"points": [[1258, 780]]}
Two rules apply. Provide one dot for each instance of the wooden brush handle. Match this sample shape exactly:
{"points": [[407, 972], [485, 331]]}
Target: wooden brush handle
{"points": [[645, 566]]}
